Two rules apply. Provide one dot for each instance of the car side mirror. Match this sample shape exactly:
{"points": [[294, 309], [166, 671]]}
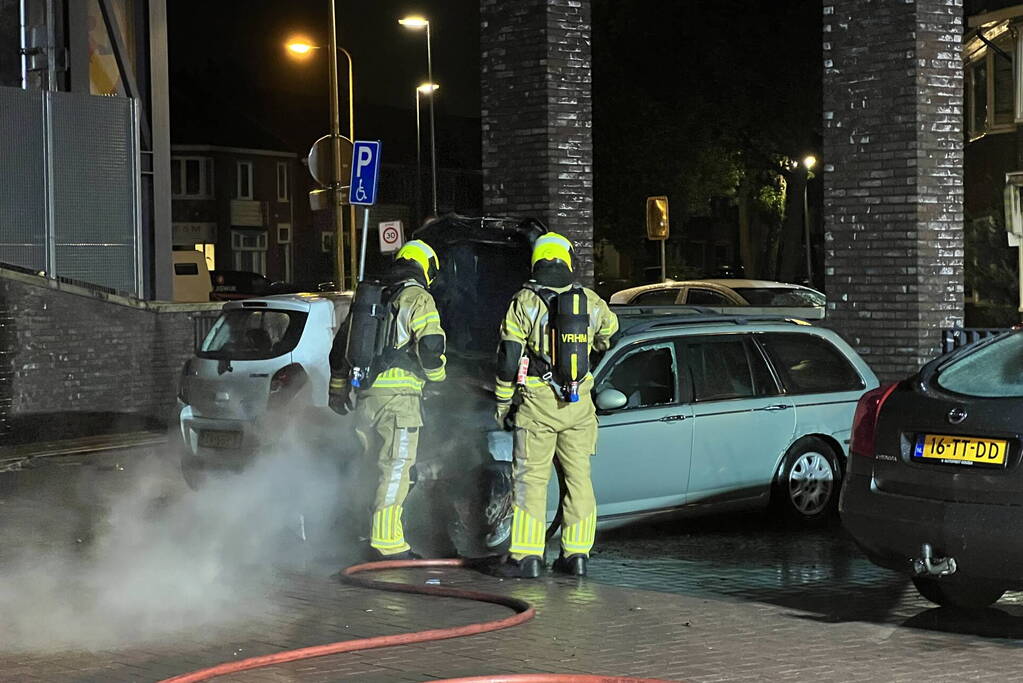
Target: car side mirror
{"points": [[611, 399]]}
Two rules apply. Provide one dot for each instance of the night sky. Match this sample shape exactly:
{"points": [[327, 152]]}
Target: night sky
{"points": [[236, 47]]}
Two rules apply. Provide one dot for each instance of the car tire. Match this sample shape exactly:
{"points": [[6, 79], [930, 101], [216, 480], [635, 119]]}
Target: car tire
{"points": [[806, 488], [957, 594]]}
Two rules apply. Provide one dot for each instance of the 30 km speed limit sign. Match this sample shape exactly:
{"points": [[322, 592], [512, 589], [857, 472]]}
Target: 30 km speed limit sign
{"points": [[391, 237]]}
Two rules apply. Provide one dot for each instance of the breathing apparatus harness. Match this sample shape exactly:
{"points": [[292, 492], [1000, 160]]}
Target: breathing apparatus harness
{"points": [[567, 337], [369, 348]]}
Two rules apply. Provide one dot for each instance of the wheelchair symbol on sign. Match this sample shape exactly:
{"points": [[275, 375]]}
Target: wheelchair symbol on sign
{"points": [[360, 193]]}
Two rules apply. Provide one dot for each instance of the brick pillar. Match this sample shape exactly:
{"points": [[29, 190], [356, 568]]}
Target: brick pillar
{"points": [[893, 176], [537, 116]]}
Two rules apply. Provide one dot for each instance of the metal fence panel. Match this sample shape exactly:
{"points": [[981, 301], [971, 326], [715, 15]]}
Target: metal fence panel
{"points": [[953, 338], [23, 190], [93, 153]]}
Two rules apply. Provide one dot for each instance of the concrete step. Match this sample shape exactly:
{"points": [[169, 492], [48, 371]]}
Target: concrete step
{"points": [[14, 457]]}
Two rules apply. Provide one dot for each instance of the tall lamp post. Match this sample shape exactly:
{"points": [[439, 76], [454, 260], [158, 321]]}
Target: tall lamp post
{"points": [[809, 162], [423, 89], [301, 48], [417, 23]]}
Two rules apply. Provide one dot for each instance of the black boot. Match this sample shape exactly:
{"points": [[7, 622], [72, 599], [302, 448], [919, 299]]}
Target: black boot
{"points": [[529, 567], [573, 565]]}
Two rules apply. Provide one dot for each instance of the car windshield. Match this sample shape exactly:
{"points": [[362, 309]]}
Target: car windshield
{"points": [[780, 296], [993, 371], [247, 334]]}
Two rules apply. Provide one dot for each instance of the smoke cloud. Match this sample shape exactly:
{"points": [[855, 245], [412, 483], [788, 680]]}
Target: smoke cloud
{"points": [[157, 559]]}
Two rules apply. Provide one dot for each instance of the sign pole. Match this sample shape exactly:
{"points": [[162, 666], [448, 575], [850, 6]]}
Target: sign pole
{"points": [[362, 252], [664, 264]]}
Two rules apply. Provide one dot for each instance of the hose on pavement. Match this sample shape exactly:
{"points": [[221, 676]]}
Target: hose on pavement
{"points": [[523, 613]]}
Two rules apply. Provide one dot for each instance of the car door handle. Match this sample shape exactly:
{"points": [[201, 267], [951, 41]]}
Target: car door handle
{"points": [[672, 418], [779, 406]]}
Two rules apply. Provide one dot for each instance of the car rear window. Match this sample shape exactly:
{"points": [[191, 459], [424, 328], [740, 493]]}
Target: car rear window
{"points": [[244, 334], [809, 364], [780, 296], [992, 371]]}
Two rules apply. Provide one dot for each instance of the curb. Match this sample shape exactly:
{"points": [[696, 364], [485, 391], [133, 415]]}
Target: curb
{"points": [[15, 457]]}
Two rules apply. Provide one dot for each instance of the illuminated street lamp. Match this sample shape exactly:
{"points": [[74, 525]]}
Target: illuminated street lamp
{"points": [[809, 162], [302, 48], [424, 89], [416, 23]]}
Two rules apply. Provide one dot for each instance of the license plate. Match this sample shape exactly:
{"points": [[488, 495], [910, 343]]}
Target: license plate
{"points": [[963, 450], [219, 439]]}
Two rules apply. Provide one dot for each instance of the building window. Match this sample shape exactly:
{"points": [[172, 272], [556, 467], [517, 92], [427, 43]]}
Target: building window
{"points": [[287, 257], [244, 180], [282, 182], [192, 177], [991, 89], [249, 249]]}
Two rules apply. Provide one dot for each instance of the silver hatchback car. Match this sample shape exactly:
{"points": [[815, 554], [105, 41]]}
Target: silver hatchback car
{"points": [[263, 365]]}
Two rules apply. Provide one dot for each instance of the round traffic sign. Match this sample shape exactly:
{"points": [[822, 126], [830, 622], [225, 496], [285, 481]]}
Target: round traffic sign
{"points": [[321, 161], [390, 235]]}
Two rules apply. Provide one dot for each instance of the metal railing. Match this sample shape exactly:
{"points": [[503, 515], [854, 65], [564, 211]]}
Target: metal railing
{"points": [[202, 323], [953, 338]]}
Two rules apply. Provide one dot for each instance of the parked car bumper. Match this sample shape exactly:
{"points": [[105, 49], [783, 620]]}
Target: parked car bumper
{"points": [[891, 530], [238, 439]]}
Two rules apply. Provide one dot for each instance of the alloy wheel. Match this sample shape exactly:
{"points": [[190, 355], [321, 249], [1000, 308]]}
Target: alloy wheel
{"points": [[811, 481]]}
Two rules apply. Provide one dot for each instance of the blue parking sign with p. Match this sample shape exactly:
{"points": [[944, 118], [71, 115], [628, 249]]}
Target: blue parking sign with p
{"points": [[365, 170]]}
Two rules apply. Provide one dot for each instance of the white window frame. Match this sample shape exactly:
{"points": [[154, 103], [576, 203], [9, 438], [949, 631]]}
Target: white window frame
{"points": [[246, 168], [988, 57], [205, 177], [249, 257], [284, 233], [283, 189]]}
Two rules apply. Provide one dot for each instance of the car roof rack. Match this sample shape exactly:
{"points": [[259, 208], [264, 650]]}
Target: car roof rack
{"points": [[677, 316]]}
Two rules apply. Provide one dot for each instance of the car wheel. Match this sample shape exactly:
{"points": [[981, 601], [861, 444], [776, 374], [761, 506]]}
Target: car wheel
{"points": [[962, 595], [808, 482]]}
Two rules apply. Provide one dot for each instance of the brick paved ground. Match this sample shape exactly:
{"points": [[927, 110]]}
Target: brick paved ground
{"points": [[734, 599]]}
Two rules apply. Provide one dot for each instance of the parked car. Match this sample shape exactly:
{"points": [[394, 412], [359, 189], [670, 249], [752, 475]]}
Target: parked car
{"points": [[263, 363], [935, 477], [705, 412], [724, 295]]}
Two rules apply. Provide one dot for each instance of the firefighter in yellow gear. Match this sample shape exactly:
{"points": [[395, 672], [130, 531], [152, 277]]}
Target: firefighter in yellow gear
{"points": [[548, 422], [388, 413]]}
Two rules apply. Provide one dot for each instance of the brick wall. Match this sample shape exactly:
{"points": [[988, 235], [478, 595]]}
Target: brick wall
{"points": [[65, 348], [893, 190], [537, 116]]}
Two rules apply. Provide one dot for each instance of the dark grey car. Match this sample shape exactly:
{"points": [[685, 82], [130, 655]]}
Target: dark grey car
{"points": [[934, 486]]}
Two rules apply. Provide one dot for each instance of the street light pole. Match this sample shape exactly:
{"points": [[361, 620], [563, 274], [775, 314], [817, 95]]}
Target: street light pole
{"points": [[419, 168], [433, 142], [335, 132], [418, 23], [351, 136], [808, 163]]}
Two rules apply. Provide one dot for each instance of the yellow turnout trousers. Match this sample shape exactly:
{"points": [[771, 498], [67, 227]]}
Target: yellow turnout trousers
{"points": [[388, 426], [545, 426]]}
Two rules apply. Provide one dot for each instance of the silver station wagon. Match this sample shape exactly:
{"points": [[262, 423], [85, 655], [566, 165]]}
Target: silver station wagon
{"points": [[707, 411]]}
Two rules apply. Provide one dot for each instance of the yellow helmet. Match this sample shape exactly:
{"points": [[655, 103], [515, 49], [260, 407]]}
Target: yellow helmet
{"points": [[551, 245], [423, 254]]}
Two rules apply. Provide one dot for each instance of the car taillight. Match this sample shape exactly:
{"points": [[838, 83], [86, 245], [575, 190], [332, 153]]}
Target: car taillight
{"points": [[286, 382], [864, 427]]}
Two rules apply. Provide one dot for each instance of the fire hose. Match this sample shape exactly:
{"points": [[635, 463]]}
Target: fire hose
{"points": [[523, 613]]}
